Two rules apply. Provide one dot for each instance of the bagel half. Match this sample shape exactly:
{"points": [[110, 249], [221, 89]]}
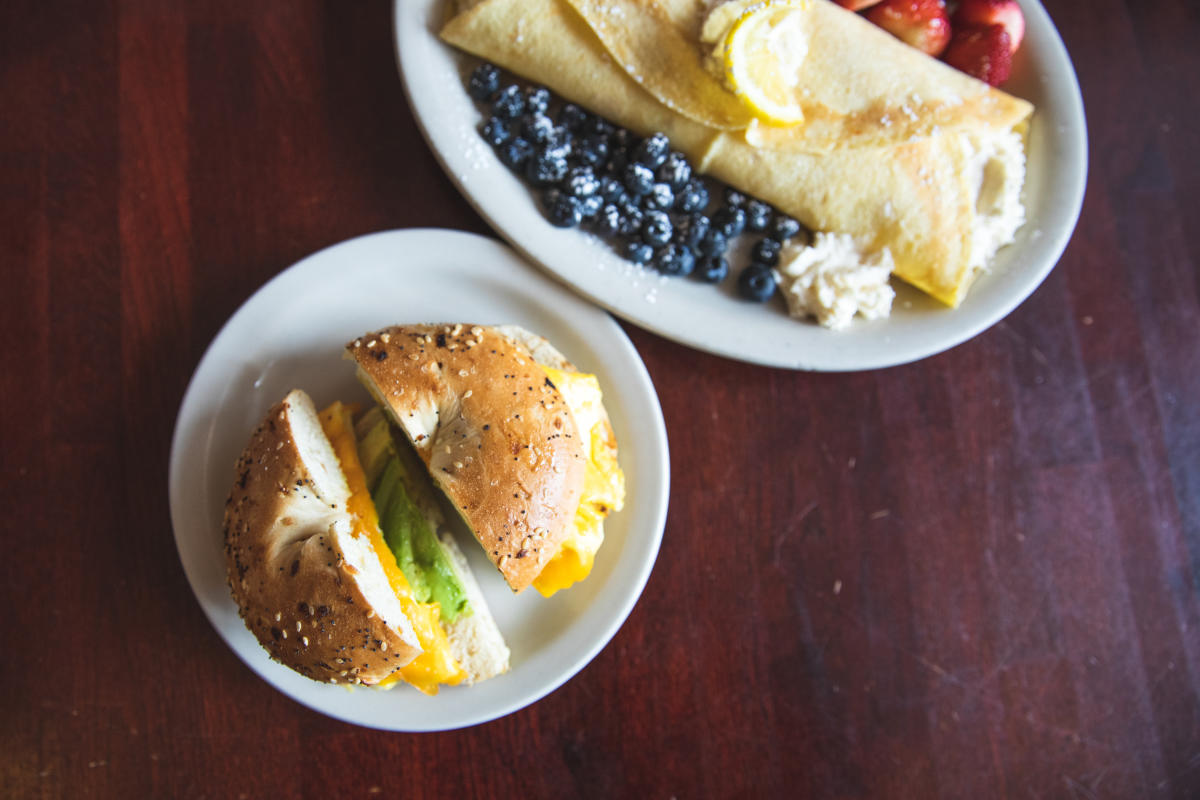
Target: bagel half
{"points": [[522, 461], [321, 595]]}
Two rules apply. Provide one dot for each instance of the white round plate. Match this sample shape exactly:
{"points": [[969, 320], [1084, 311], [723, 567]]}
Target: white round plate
{"points": [[713, 319], [290, 334]]}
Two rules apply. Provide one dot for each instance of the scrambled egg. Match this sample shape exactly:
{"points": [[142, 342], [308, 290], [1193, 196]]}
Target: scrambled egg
{"points": [[603, 485]]}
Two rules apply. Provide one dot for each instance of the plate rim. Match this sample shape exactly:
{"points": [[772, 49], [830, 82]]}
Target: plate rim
{"points": [[640, 397], [1063, 204]]}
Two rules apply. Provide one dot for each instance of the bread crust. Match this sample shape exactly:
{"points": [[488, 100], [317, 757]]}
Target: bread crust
{"points": [[304, 584], [492, 429]]}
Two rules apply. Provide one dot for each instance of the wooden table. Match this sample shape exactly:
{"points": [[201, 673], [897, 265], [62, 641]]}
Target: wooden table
{"points": [[974, 576]]}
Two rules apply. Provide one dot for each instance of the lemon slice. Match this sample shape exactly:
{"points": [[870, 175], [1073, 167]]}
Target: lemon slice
{"points": [[762, 55]]}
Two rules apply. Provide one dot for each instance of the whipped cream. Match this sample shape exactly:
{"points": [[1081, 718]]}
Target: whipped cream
{"points": [[996, 173], [833, 280]]}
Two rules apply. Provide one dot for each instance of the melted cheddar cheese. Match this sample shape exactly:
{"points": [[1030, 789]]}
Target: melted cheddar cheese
{"points": [[435, 665], [603, 482]]}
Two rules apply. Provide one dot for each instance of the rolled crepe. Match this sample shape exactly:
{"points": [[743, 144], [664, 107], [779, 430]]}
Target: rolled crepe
{"points": [[889, 150]]}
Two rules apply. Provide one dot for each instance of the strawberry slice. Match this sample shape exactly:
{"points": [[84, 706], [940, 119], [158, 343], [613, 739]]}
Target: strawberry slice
{"points": [[856, 5], [923, 24], [985, 53], [977, 13]]}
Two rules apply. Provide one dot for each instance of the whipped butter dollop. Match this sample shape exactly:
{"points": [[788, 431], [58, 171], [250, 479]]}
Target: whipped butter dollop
{"points": [[834, 281]]}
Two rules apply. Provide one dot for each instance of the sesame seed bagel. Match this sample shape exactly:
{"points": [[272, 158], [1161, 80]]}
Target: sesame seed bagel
{"points": [[314, 594], [491, 427]]}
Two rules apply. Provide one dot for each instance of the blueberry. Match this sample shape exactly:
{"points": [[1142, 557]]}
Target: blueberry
{"points": [[766, 252], [639, 179], [558, 147], [581, 182], [712, 269], [571, 117], [730, 221], [608, 222], [537, 99], [561, 209], [660, 198], [783, 227], [590, 206], [496, 132], [631, 219], [515, 153], [545, 167], [693, 197], [674, 259], [713, 244], [593, 150], [599, 125], [656, 228], [691, 230], [484, 82], [537, 128], [508, 103], [623, 137], [638, 252], [611, 189], [734, 198], [758, 216], [653, 151], [675, 171], [756, 283], [618, 158]]}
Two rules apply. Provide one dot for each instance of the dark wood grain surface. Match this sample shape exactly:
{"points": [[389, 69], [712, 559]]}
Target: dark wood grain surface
{"points": [[975, 576]]}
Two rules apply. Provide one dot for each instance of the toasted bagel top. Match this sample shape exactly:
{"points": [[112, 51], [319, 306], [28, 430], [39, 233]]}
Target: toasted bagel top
{"points": [[492, 428]]}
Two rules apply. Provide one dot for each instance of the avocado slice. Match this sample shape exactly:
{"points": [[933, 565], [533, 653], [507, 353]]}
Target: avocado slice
{"points": [[406, 530], [375, 444]]}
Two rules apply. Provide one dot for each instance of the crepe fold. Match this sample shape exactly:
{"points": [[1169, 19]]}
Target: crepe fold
{"points": [[888, 151]]}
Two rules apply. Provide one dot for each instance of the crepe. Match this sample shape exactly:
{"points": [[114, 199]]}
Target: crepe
{"points": [[889, 150]]}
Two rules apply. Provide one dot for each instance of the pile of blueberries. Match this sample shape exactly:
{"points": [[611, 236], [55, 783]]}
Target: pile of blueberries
{"points": [[637, 193]]}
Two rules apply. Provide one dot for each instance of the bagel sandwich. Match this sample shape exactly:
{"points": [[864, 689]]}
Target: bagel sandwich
{"points": [[340, 560], [515, 436]]}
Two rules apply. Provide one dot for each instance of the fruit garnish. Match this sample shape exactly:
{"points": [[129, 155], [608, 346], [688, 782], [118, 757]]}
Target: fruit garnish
{"points": [[762, 52], [856, 5], [985, 53], [923, 24], [979, 13]]}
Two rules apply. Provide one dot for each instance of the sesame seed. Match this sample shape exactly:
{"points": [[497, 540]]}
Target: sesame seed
{"points": [[305, 640], [383, 646], [476, 330], [385, 337], [284, 632], [462, 373], [278, 616], [371, 343], [458, 465], [413, 356], [468, 393], [297, 626], [457, 330]]}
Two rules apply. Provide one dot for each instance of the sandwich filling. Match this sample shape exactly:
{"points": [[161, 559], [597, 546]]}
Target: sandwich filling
{"points": [[435, 665], [603, 482]]}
